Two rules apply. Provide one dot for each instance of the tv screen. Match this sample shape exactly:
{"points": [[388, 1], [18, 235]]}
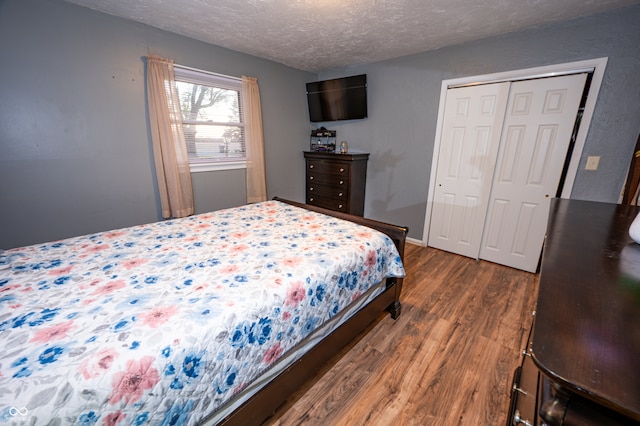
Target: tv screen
{"points": [[338, 99]]}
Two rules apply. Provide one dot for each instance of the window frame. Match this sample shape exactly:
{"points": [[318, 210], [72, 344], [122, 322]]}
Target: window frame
{"points": [[206, 78]]}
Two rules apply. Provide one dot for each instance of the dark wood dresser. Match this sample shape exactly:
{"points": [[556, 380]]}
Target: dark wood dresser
{"points": [[582, 363], [336, 181]]}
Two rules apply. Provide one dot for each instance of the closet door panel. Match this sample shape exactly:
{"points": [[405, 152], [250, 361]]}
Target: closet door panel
{"points": [[537, 131], [473, 120]]}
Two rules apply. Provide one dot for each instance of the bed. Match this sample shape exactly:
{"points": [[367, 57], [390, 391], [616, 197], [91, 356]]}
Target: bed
{"points": [[211, 319]]}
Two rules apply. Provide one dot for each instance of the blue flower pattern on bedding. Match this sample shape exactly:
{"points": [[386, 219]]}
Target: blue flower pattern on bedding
{"points": [[163, 323]]}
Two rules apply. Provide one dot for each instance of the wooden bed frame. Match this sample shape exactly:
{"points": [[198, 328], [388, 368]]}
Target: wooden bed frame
{"points": [[264, 404]]}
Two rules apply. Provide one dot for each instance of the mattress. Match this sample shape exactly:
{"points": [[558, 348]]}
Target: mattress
{"points": [[165, 323]]}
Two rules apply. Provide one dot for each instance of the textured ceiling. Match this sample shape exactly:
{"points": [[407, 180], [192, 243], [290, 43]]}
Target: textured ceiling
{"points": [[316, 35]]}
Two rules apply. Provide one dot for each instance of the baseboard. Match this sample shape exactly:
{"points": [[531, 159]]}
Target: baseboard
{"points": [[416, 242]]}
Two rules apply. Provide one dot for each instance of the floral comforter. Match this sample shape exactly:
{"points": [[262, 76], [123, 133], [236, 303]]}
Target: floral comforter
{"points": [[163, 323]]}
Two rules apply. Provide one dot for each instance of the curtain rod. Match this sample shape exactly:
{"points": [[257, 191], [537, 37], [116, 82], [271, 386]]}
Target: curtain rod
{"points": [[215, 74]]}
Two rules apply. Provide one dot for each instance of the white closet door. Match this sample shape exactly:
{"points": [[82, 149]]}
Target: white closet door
{"points": [[473, 120], [537, 130]]}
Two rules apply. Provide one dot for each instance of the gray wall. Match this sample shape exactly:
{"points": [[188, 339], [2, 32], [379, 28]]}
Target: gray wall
{"points": [[404, 96], [75, 154]]}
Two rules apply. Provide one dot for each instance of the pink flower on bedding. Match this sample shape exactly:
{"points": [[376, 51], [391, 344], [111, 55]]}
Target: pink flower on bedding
{"points": [[9, 288], [98, 247], [130, 385], [98, 364], [55, 332], [230, 269], [291, 262], [130, 264], [371, 259], [85, 286], [158, 316], [114, 418], [113, 234], [109, 287], [295, 295], [365, 235], [239, 247], [61, 271], [272, 354], [239, 235]]}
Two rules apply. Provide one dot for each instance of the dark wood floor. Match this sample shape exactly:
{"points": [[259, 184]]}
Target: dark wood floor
{"points": [[448, 359]]}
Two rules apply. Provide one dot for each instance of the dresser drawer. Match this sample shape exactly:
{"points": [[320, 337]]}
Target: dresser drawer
{"points": [[327, 203], [340, 193], [314, 178], [338, 168]]}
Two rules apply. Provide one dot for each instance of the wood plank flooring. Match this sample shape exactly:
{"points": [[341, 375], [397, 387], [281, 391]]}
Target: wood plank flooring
{"points": [[447, 360]]}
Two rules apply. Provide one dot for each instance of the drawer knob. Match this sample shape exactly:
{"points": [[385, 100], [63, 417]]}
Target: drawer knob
{"points": [[311, 188], [311, 199], [311, 166], [341, 170], [341, 182], [310, 177], [340, 194], [339, 206], [517, 420]]}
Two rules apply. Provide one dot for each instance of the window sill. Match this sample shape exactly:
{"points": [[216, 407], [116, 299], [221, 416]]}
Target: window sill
{"points": [[214, 167]]}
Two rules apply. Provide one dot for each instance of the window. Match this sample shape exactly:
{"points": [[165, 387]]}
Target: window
{"points": [[212, 119]]}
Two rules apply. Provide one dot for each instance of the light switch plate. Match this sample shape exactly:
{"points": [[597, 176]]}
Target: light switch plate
{"points": [[592, 163]]}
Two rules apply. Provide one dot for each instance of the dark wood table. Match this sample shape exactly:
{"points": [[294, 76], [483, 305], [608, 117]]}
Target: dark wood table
{"points": [[586, 336]]}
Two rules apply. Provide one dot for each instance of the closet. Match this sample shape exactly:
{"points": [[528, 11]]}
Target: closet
{"points": [[502, 152]]}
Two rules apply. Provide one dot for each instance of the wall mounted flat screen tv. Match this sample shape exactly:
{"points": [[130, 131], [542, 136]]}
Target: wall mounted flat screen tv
{"points": [[338, 99]]}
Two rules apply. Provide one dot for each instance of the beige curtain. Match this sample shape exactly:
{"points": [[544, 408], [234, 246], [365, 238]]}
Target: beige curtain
{"points": [[256, 181], [169, 146]]}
